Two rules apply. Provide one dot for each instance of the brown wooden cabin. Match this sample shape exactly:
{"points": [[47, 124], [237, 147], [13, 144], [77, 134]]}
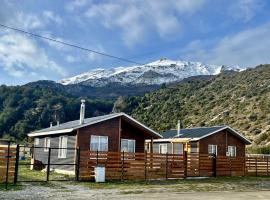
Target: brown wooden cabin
{"points": [[219, 140], [114, 132]]}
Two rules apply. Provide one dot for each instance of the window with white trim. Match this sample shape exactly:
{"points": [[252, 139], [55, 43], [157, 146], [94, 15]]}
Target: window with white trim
{"points": [[36, 141], [232, 151], [163, 148], [47, 143], [128, 145], [99, 143], [212, 149], [62, 152]]}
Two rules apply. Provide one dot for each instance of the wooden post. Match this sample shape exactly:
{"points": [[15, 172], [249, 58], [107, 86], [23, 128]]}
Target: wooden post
{"points": [[122, 167], [267, 166], [214, 165], [48, 164], [7, 167], [97, 158], [145, 165], [17, 164], [78, 164], [256, 166], [185, 164], [167, 166]]}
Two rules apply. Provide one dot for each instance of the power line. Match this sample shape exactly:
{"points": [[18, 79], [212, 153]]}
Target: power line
{"points": [[71, 45]]}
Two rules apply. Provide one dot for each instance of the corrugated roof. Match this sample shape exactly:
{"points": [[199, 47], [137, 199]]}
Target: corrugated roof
{"points": [[201, 132], [76, 123], [191, 132]]}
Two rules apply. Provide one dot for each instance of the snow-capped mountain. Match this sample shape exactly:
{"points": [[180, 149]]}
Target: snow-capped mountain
{"points": [[157, 72]]}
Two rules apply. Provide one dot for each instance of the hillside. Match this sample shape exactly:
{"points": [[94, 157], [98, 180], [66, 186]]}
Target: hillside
{"points": [[238, 99], [25, 108]]}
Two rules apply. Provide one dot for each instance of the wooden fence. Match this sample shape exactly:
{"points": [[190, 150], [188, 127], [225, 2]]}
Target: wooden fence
{"points": [[7, 163]]}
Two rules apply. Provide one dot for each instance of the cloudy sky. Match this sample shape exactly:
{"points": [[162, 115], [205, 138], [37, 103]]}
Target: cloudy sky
{"points": [[230, 32]]}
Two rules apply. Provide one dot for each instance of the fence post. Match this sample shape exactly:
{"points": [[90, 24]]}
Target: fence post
{"points": [[267, 165], [16, 164], [256, 166], [7, 169], [78, 164], [166, 165], [97, 157], [145, 165], [185, 164], [122, 166], [48, 164], [214, 165]]}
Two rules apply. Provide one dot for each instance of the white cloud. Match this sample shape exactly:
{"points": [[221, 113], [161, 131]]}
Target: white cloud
{"points": [[137, 19], [245, 9], [51, 16], [246, 48], [21, 57], [76, 4]]}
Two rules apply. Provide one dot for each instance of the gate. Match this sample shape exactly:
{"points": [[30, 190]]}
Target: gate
{"points": [[42, 164]]}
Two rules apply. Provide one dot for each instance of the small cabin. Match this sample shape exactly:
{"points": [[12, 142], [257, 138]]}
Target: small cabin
{"points": [[114, 132], [218, 140]]}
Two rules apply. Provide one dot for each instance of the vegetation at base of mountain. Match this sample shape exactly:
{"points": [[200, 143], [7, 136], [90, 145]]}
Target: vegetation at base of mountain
{"points": [[108, 92], [238, 99], [24, 109]]}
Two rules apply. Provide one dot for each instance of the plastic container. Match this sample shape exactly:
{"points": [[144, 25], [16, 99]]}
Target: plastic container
{"points": [[100, 174]]}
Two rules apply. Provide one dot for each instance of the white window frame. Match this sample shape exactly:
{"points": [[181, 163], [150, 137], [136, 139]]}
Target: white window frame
{"points": [[47, 144], [128, 141], [62, 151], [36, 141], [231, 152], [99, 136], [159, 148], [213, 146]]}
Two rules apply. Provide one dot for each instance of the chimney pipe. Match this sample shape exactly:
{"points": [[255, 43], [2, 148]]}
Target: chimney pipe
{"points": [[178, 128], [58, 123], [51, 124], [82, 111]]}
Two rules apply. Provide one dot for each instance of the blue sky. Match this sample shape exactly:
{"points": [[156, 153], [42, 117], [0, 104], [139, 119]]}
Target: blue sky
{"points": [[222, 32]]}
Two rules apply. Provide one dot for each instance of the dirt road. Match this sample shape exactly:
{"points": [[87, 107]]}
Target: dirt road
{"points": [[64, 191]]}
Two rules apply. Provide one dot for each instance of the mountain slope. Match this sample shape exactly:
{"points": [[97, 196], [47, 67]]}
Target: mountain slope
{"points": [[24, 109], [240, 99], [155, 73]]}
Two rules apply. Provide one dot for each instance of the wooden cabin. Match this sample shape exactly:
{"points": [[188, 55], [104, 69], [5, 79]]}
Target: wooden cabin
{"points": [[114, 132], [219, 140]]}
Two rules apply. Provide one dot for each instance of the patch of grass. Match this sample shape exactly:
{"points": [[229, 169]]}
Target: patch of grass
{"points": [[11, 187], [185, 185]]}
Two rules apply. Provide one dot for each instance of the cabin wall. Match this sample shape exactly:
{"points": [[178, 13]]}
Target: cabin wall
{"points": [[131, 132], [219, 139], [41, 155], [108, 128]]}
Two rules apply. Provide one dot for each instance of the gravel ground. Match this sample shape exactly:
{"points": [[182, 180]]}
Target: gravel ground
{"points": [[63, 190]]}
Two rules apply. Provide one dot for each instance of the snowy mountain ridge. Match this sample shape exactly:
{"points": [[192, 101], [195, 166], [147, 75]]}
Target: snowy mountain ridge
{"points": [[157, 72]]}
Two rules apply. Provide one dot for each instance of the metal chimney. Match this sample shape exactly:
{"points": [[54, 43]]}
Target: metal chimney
{"points": [[82, 111], [51, 124], [178, 128]]}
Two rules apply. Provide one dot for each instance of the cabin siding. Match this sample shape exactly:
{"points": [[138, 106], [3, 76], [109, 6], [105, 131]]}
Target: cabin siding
{"points": [[108, 128], [219, 139], [41, 155]]}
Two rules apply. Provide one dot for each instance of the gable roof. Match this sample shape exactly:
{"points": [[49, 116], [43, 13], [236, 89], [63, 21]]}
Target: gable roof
{"points": [[199, 133], [74, 125]]}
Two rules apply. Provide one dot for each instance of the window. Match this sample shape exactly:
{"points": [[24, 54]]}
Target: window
{"points": [[36, 141], [163, 149], [62, 152], [47, 142], [194, 147], [212, 149], [128, 145], [232, 151], [99, 143]]}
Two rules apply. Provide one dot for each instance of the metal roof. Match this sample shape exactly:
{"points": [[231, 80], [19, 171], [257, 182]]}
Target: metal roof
{"points": [[201, 132], [74, 125]]}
